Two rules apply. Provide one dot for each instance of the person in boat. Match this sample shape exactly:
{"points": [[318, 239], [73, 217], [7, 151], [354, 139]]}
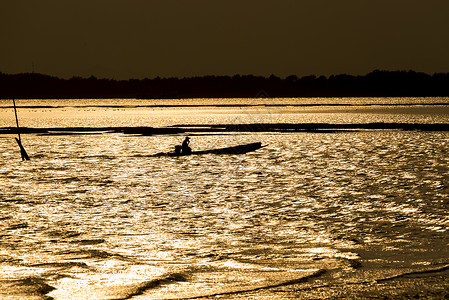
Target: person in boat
{"points": [[185, 148]]}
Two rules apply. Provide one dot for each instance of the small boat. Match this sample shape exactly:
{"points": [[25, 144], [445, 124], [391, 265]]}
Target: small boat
{"points": [[240, 149]]}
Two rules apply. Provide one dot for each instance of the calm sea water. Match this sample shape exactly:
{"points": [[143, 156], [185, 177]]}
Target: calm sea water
{"points": [[312, 215]]}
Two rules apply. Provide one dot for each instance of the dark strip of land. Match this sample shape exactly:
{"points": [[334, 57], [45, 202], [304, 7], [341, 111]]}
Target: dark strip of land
{"points": [[228, 128], [374, 84], [82, 105]]}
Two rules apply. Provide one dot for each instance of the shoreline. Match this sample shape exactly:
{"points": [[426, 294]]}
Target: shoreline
{"points": [[373, 84], [320, 284]]}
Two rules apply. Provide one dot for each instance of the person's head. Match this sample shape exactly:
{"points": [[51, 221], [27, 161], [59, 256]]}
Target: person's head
{"points": [[187, 138]]}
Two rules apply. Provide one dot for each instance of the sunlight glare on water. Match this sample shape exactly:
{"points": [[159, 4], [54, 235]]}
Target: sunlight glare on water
{"points": [[98, 217]]}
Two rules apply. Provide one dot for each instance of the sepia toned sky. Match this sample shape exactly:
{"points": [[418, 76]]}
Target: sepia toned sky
{"points": [[124, 39]]}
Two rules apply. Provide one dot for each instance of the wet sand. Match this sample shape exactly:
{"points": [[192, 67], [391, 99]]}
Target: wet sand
{"points": [[429, 284]]}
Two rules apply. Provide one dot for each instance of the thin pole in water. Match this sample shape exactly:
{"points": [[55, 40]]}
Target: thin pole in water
{"points": [[19, 140]]}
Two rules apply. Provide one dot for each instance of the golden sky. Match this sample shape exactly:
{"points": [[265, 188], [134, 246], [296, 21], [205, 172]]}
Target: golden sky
{"points": [[147, 38]]}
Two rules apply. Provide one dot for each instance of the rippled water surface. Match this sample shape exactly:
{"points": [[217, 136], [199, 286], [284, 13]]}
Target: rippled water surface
{"points": [[98, 217]]}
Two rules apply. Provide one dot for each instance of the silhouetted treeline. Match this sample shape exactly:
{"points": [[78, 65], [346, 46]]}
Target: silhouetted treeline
{"points": [[376, 83]]}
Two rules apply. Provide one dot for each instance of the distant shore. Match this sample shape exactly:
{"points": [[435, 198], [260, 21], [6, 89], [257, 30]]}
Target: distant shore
{"points": [[374, 84], [199, 129]]}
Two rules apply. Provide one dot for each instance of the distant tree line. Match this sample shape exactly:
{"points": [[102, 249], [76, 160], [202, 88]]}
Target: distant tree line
{"points": [[376, 83]]}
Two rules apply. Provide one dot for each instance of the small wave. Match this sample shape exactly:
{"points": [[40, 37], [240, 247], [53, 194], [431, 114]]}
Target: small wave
{"points": [[160, 205], [299, 280], [99, 156], [17, 226], [88, 242], [141, 288], [92, 253], [10, 260], [237, 265], [352, 263], [63, 234], [420, 272], [141, 155], [69, 133], [27, 288], [5, 218], [69, 264], [66, 180], [39, 156]]}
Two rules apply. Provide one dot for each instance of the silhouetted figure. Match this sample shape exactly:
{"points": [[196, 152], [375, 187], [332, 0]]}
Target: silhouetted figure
{"points": [[185, 146]]}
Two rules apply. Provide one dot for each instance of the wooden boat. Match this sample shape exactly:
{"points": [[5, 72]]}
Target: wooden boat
{"points": [[240, 149]]}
